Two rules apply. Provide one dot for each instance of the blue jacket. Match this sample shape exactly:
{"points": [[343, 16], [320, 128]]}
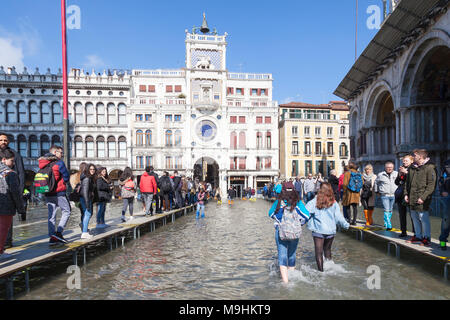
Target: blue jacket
{"points": [[299, 208], [324, 220]]}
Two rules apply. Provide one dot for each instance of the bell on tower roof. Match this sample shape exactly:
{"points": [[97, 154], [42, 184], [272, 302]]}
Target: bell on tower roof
{"points": [[204, 28]]}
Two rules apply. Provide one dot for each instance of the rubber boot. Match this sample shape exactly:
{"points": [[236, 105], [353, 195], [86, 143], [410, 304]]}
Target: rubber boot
{"points": [[386, 219], [370, 214], [389, 220], [366, 214]]}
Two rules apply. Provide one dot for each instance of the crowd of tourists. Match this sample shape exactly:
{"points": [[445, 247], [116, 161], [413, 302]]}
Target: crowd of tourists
{"points": [[315, 201]]}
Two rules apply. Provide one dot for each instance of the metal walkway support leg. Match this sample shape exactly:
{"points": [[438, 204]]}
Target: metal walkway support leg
{"points": [[446, 270], [115, 238], [139, 232], [84, 255], [134, 233], [397, 248], [110, 243], [359, 234], [173, 217], [75, 258], [9, 288], [27, 280], [123, 241]]}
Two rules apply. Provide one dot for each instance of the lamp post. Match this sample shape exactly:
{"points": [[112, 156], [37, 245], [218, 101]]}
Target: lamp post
{"points": [[65, 87]]}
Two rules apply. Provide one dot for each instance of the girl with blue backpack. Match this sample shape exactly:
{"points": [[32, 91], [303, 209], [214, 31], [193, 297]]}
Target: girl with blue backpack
{"points": [[290, 215], [352, 186]]}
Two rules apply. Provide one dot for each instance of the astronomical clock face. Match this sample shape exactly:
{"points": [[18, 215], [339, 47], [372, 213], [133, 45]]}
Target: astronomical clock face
{"points": [[206, 130]]}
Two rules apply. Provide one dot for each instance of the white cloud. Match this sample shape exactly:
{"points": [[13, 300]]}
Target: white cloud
{"points": [[93, 61], [10, 55]]}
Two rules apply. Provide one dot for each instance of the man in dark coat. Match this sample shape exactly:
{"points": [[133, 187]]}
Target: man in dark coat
{"points": [[177, 189], [20, 170]]}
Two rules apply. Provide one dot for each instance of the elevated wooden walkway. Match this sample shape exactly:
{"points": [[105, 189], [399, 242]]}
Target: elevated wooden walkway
{"points": [[34, 251]]}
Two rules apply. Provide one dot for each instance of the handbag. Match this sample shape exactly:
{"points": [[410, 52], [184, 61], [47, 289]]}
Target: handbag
{"points": [[75, 195]]}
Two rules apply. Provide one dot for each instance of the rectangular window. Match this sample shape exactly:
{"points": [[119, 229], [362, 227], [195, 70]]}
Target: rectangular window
{"points": [[139, 162], [230, 91], [79, 149], [151, 88], [307, 131], [295, 131], [178, 163], [139, 117], [264, 92], [169, 88], [122, 149], [240, 91], [148, 161], [259, 119], [90, 149], [294, 168], [317, 131], [268, 120], [294, 147], [233, 163], [330, 149], [195, 97], [253, 92], [111, 149], [330, 132], [268, 163], [169, 163], [308, 167], [242, 163], [233, 119], [100, 149], [177, 117], [142, 88], [177, 88], [241, 119], [34, 148], [148, 117], [168, 118], [216, 97], [318, 148], [308, 148]]}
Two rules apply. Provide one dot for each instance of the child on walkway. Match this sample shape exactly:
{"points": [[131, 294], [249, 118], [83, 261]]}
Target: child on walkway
{"points": [[290, 215], [10, 197], [201, 204], [325, 214]]}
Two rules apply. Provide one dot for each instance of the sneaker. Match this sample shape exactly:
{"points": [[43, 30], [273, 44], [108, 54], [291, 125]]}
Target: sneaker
{"points": [[86, 235], [123, 219], [443, 245], [60, 238], [426, 242], [5, 256], [414, 239], [131, 218], [106, 225], [403, 235], [100, 226], [53, 241]]}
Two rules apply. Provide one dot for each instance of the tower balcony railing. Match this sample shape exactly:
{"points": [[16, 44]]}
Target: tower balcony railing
{"points": [[249, 76]]}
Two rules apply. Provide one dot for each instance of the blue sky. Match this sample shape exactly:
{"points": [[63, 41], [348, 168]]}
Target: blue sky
{"points": [[308, 46]]}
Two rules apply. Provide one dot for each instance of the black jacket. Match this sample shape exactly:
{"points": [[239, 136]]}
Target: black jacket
{"points": [[165, 180], [19, 169], [177, 183], [334, 181], [103, 190], [87, 188], [10, 197], [153, 173]]}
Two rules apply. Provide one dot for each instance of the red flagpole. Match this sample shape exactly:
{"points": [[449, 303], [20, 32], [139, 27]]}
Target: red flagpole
{"points": [[65, 86]]}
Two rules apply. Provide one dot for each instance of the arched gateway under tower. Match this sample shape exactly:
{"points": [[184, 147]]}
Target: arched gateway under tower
{"points": [[207, 169]]}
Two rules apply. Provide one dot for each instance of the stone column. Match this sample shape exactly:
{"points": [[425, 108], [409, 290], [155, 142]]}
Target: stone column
{"points": [[431, 125], [422, 133], [397, 127], [413, 125], [440, 119], [402, 126]]}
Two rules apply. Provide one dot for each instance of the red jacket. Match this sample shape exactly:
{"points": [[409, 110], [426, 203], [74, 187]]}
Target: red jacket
{"points": [[59, 172], [148, 184]]}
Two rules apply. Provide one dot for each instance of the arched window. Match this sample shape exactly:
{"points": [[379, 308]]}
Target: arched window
{"points": [[101, 119], [78, 147], [148, 137], [34, 147], [268, 140], [11, 112], [90, 113], [112, 117], [242, 142], [90, 147], [79, 114], [35, 112], [178, 138], [139, 138], [169, 135], [45, 144], [101, 147], [23, 113], [57, 113], [22, 144], [56, 141], [233, 140], [112, 147], [2, 113], [122, 114], [46, 113], [122, 147], [259, 140], [343, 151]]}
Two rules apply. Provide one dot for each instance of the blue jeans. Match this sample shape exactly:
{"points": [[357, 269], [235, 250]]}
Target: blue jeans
{"points": [[445, 224], [309, 196], [87, 209], [200, 207], [388, 205], [101, 208], [421, 222], [286, 250]]}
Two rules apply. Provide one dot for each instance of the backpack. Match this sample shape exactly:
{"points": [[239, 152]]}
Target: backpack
{"points": [[355, 184], [44, 180], [165, 184], [290, 227], [129, 185]]}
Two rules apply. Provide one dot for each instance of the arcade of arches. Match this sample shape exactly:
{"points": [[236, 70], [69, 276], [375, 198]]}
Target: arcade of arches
{"points": [[419, 120]]}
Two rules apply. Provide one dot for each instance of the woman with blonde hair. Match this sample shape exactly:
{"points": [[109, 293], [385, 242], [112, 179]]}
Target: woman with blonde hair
{"points": [[367, 194]]}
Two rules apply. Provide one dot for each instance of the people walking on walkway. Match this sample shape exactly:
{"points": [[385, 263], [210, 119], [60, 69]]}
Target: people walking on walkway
{"points": [[127, 192], [56, 198], [368, 193], [157, 197], [20, 171], [419, 188], [104, 194], [166, 188], [341, 191], [87, 194], [201, 197], [10, 197], [444, 187], [177, 185], [184, 190], [148, 189], [309, 187], [298, 187], [325, 215], [352, 185], [289, 216], [334, 182], [407, 161], [385, 187]]}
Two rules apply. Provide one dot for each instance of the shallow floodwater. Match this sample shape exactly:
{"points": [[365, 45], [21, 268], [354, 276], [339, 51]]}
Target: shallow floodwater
{"points": [[231, 254]]}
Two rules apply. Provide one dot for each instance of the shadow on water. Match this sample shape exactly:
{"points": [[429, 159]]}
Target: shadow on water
{"points": [[231, 254]]}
